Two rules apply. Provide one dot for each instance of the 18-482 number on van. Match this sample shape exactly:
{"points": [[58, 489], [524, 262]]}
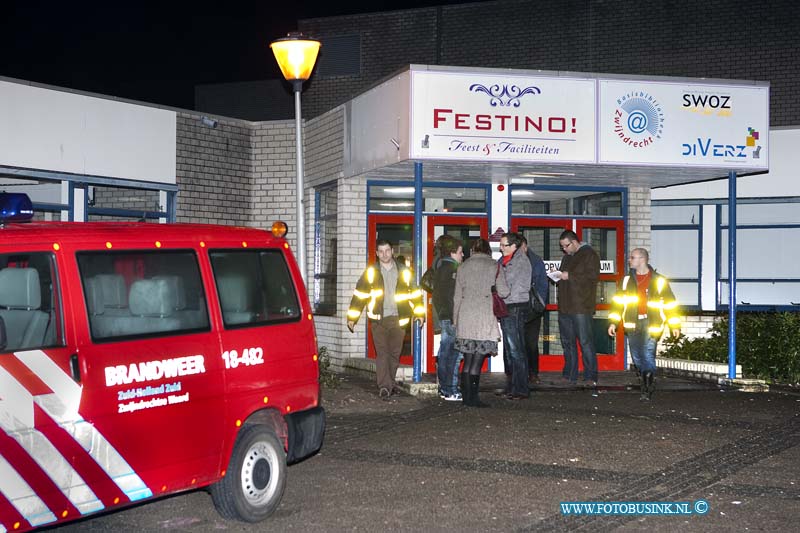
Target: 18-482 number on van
{"points": [[249, 357]]}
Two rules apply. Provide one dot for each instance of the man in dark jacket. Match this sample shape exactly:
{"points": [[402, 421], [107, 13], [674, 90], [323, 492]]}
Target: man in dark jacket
{"points": [[577, 294], [452, 253], [534, 324], [392, 301]]}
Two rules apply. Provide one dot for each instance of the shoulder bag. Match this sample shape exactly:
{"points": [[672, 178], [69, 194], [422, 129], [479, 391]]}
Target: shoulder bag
{"points": [[498, 304]]}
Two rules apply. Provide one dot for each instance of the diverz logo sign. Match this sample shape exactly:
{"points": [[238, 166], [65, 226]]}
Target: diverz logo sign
{"points": [[705, 148]]}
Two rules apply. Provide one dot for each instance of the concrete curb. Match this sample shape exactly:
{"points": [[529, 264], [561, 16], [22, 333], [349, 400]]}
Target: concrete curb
{"points": [[713, 372]]}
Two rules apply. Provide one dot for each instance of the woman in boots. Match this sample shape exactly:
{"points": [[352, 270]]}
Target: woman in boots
{"points": [[476, 326]]}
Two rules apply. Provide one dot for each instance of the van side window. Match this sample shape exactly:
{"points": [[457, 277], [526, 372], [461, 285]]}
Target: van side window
{"points": [[30, 304], [142, 293], [254, 287]]}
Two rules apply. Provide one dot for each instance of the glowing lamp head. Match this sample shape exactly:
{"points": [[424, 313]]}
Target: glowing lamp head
{"points": [[296, 55], [279, 229]]}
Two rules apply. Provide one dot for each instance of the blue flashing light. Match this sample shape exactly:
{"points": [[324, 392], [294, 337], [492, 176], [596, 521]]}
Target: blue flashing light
{"points": [[15, 207]]}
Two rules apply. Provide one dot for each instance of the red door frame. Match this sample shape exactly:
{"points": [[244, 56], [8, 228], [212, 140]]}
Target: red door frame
{"points": [[481, 221], [616, 361]]}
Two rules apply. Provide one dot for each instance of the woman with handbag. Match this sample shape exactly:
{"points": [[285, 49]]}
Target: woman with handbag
{"points": [[517, 269], [477, 333]]}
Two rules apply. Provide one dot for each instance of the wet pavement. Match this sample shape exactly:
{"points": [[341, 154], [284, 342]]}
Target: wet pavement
{"points": [[422, 464]]}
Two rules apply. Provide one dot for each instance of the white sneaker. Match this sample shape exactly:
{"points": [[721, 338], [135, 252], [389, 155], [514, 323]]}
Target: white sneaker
{"points": [[453, 397]]}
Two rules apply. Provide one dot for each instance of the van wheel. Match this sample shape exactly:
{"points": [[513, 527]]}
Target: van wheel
{"points": [[253, 485]]}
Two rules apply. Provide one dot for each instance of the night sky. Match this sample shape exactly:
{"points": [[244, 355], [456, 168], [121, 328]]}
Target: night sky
{"points": [[155, 51]]}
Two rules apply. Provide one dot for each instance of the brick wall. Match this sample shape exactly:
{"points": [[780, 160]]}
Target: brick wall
{"points": [[274, 176], [388, 42], [639, 215], [352, 261], [697, 325], [324, 141], [214, 170], [734, 39]]}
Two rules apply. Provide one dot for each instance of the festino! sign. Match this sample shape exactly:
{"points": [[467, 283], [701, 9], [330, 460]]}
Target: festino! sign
{"points": [[483, 117]]}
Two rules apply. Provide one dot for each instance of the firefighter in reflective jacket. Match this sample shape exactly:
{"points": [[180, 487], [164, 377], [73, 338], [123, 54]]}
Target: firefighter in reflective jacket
{"points": [[646, 307], [387, 291]]}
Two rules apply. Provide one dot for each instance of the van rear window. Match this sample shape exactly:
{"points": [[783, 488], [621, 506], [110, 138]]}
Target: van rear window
{"points": [[254, 287], [142, 293]]}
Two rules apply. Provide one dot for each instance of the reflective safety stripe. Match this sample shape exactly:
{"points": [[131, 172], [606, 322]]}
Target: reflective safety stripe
{"points": [[407, 277], [404, 321], [22, 497], [353, 313], [615, 317], [660, 283], [16, 418], [656, 329], [674, 321], [62, 406], [416, 294], [630, 325], [370, 275], [419, 310], [361, 295]]}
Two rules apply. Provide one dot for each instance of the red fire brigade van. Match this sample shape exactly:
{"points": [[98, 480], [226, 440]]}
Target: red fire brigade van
{"points": [[138, 360]]}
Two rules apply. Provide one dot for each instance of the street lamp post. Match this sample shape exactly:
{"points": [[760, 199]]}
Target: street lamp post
{"points": [[296, 55]]}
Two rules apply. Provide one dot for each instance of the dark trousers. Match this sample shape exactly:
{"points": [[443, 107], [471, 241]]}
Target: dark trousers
{"points": [[387, 336], [532, 329], [577, 329], [513, 327]]}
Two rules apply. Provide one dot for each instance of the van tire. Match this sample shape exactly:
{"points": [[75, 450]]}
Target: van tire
{"points": [[254, 482]]}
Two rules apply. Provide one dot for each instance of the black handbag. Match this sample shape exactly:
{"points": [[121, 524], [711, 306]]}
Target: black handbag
{"points": [[537, 304]]}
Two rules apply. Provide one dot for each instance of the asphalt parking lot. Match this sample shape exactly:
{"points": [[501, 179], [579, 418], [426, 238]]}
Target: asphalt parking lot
{"points": [[417, 464]]}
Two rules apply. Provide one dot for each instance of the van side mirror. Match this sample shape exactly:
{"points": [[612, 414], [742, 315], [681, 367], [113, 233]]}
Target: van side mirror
{"points": [[3, 337]]}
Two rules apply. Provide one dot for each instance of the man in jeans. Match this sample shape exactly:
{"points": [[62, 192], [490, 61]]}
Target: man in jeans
{"points": [[452, 254], [534, 324], [577, 296], [516, 267], [645, 306]]}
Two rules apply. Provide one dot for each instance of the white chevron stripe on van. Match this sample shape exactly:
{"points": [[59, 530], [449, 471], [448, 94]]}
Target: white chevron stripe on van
{"points": [[16, 418], [63, 407], [22, 497]]}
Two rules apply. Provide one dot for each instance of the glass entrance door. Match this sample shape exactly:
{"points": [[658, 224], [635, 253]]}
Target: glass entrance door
{"points": [[398, 230], [466, 229], [607, 238]]}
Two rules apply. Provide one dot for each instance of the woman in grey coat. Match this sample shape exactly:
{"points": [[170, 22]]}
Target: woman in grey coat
{"points": [[476, 326]]}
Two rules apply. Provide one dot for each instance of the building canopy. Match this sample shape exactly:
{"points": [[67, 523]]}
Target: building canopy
{"points": [[499, 125]]}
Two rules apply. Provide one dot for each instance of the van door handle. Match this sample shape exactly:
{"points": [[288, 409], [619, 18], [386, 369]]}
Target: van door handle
{"points": [[75, 367]]}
